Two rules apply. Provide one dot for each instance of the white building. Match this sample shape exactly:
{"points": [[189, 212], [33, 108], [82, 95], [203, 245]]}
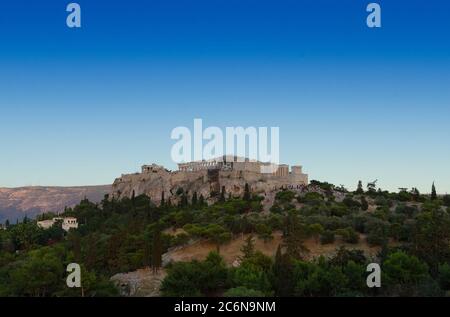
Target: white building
{"points": [[67, 223], [46, 224]]}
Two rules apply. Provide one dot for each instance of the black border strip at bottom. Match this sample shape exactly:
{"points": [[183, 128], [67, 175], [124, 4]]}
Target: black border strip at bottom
{"points": [[201, 306]]}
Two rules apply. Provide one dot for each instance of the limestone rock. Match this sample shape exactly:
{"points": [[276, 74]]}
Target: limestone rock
{"points": [[140, 283], [155, 179]]}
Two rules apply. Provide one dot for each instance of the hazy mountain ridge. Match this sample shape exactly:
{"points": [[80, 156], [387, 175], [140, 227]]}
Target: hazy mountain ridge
{"points": [[15, 203]]}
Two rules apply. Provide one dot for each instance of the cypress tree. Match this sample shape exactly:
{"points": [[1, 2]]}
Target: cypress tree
{"points": [[360, 189], [156, 250], [222, 194], [433, 192], [247, 192], [194, 199], [248, 249], [162, 199]]}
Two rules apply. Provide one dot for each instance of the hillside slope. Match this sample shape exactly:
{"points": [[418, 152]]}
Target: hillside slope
{"points": [[15, 203]]}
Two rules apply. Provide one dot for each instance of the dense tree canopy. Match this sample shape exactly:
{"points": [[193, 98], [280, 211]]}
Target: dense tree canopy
{"points": [[412, 232]]}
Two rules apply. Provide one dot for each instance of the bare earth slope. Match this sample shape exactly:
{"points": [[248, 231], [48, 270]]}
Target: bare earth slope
{"points": [[15, 203]]}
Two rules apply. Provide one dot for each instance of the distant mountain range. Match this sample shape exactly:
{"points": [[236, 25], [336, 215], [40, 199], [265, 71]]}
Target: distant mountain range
{"points": [[15, 203]]}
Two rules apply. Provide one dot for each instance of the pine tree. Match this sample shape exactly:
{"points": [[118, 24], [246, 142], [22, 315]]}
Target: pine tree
{"points": [[282, 272], [433, 192], [248, 249], [360, 189]]}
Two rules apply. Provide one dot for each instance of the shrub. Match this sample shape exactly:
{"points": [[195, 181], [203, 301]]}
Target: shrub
{"points": [[195, 278], [327, 237], [403, 272], [318, 279], [180, 239], [446, 200], [285, 196], [382, 201], [264, 232], [276, 209], [364, 203], [250, 277], [378, 236], [348, 234], [310, 198], [350, 202], [315, 230], [444, 276]]}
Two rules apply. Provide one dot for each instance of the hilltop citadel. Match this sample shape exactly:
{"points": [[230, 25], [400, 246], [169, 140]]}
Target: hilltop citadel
{"points": [[208, 177]]}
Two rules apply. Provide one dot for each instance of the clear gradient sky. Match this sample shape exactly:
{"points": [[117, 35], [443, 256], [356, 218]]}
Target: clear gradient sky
{"points": [[82, 106]]}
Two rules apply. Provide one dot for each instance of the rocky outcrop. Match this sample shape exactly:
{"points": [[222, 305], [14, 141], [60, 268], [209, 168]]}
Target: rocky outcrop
{"points": [[156, 179], [140, 283]]}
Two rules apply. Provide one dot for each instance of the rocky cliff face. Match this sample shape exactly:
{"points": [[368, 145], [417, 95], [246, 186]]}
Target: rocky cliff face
{"points": [[15, 203], [157, 179]]}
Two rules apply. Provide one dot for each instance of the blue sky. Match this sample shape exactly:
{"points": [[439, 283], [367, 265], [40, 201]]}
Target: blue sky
{"points": [[82, 106]]}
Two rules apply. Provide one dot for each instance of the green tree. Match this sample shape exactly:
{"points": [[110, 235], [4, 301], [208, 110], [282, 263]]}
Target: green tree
{"points": [[195, 278], [402, 273], [248, 249], [327, 237], [316, 229], [39, 275], [444, 276], [247, 195], [201, 200], [295, 234], [446, 200], [282, 273], [163, 202], [250, 276], [348, 234], [156, 251], [318, 279], [433, 192], [218, 235], [431, 238], [264, 232], [359, 189], [194, 199], [222, 194], [364, 203]]}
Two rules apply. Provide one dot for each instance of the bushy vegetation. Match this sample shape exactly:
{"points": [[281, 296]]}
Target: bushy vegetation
{"points": [[412, 232]]}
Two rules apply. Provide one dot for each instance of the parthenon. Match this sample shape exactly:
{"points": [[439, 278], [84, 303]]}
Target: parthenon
{"points": [[234, 163]]}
